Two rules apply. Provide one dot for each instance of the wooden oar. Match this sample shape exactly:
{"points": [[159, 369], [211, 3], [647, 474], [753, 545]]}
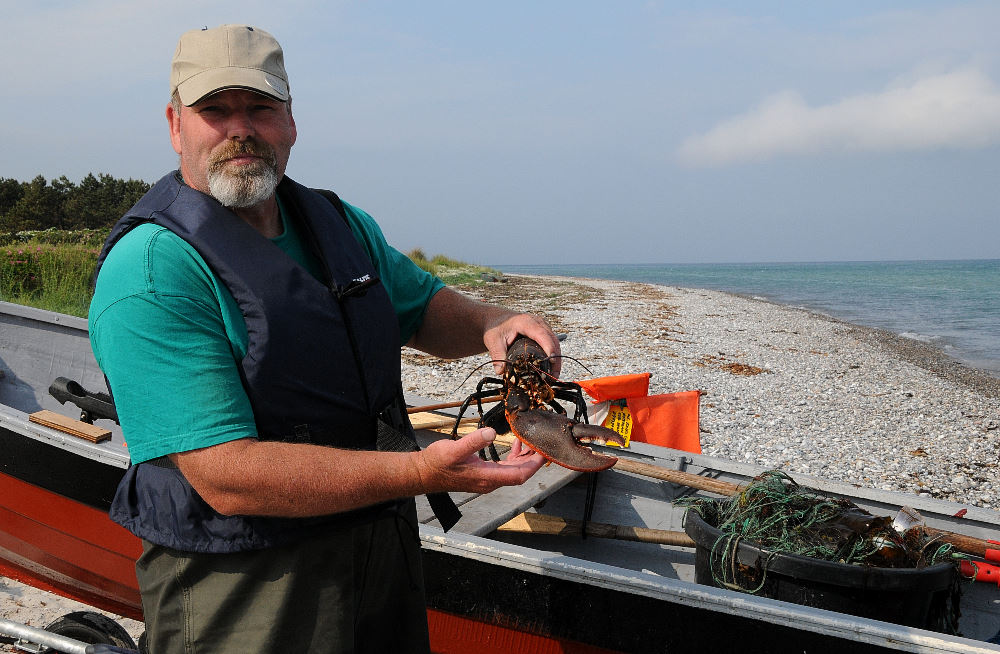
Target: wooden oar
{"points": [[984, 549], [538, 523], [663, 474], [677, 477], [448, 405], [433, 422]]}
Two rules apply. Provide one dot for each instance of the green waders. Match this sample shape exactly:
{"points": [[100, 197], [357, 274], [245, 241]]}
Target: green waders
{"points": [[347, 589]]}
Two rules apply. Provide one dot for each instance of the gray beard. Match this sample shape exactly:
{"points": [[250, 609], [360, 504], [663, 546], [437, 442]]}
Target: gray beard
{"points": [[240, 191]]}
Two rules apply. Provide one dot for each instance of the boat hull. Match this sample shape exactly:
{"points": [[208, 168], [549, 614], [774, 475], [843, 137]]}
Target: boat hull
{"points": [[51, 542]]}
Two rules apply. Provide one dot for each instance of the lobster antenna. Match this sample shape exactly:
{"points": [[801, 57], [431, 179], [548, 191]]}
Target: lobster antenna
{"points": [[478, 368], [558, 356]]}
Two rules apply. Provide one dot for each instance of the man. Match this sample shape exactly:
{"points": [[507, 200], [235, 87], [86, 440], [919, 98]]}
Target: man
{"points": [[250, 329]]}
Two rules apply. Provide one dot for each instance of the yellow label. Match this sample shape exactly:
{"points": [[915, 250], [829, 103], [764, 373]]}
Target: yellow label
{"points": [[619, 420]]}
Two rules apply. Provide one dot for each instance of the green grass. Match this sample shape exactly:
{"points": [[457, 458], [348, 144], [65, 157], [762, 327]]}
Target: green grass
{"points": [[452, 271], [52, 277]]}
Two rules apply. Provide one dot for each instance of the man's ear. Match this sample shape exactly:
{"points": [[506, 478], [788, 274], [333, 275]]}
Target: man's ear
{"points": [[291, 118], [174, 123]]}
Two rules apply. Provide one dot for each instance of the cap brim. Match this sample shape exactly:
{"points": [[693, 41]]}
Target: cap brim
{"points": [[212, 81]]}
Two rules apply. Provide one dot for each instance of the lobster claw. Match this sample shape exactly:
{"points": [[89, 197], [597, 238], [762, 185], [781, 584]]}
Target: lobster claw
{"points": [[557, 438]]}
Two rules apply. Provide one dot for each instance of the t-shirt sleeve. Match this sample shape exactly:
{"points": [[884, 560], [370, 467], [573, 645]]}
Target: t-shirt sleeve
{"points": [[410, 287], [166, 346]]}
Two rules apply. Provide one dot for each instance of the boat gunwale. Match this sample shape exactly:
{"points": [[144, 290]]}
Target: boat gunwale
{"points": [[43, 315], [698, 596], [111, 452]]}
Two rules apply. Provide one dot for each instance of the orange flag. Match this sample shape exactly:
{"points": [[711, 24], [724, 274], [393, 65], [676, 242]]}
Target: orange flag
{"points": [[669, 420], [618, 387]]}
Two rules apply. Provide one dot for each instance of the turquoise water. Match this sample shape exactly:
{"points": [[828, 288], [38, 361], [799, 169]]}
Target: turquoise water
{"points": [[952, 304]]}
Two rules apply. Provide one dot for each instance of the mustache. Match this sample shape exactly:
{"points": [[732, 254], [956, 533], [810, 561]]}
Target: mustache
{"points": [[231, 149]]}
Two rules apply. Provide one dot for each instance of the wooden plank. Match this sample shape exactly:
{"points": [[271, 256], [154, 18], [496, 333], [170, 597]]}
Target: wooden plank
{"points": [[540, 523], [54, 420], [716, 486]]}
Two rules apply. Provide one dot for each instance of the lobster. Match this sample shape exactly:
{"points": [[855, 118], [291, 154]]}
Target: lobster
{"points": [[529, 408]]}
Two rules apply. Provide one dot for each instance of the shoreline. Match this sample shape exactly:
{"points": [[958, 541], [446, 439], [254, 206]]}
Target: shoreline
{"points": [[927, 355], [933, 359], [818, 287], [823, 398]]}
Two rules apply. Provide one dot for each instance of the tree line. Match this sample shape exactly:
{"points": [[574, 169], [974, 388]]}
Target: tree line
{"points": [[95, 203]]}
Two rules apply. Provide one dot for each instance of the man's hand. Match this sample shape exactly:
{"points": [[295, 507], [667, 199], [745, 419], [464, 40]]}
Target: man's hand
{"points": [[457, 326], [499, 337], [447, 465]]}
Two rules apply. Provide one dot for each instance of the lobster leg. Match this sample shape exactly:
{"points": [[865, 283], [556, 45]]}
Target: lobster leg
{"points": [[558, 408], [479, 395], [476, 397], [496, 419], [489, 418], [574, 393], [492, 418]]}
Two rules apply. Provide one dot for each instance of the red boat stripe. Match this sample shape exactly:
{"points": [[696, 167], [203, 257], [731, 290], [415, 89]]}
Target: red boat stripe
{"points": [[452, 634]]}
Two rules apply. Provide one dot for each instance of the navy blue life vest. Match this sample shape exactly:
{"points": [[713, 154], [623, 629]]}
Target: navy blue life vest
{"points": [[322, 361]]}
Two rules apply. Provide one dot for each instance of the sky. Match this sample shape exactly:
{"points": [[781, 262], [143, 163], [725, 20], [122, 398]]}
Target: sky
{"points": [[568, 131]]}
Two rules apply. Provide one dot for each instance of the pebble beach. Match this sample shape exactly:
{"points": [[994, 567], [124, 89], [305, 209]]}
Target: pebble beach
{"points": [[781, 387]]}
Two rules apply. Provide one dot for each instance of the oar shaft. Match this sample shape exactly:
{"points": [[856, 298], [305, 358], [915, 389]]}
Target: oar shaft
{"points": [[448, 405], [962, 543], [678, 477], [443, 422]]}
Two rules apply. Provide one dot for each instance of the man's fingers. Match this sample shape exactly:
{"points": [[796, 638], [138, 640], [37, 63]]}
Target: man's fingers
{"points": [[454, 465], [517, 448], [477, 440]]}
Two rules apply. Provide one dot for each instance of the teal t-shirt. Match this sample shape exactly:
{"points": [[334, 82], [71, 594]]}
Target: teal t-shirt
{"points": [[169, 335]]}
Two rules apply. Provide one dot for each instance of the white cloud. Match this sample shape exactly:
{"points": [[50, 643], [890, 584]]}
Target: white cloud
{"points": [[957, 110]]}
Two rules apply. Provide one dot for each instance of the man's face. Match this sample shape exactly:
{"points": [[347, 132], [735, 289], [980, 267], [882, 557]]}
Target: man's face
{"points": [[233, 145]]}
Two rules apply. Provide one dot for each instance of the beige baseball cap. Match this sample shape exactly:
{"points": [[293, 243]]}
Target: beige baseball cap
{"points": [[228, 57]]}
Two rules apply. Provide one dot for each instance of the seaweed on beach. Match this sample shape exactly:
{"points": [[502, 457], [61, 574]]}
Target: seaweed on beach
{"points": [[777, 514]]}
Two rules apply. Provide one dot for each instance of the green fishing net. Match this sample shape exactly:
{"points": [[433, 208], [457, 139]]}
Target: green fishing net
{"points": [[777, 514]]}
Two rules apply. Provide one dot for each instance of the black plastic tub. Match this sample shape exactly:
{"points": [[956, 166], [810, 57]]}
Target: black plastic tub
{"points": [[924, 598]]}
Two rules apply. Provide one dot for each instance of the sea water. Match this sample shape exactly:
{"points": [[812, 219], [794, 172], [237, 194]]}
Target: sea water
{"points": [[954, 305]]}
